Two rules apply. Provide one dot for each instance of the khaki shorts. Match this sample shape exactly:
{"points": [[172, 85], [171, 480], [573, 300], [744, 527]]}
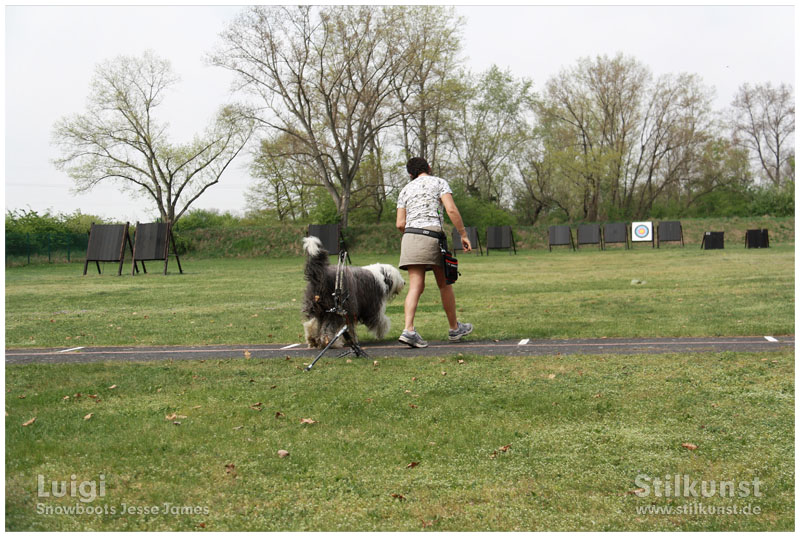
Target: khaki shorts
{"points": [[420, 250]]}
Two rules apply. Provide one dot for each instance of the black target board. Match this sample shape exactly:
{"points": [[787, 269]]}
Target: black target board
{"points": [[500, 238], [151, 242], [756, 238], [616, 232], [713, 240], [560, 236], [330, 235], [107, 245], [670, 232], [590, 234]]}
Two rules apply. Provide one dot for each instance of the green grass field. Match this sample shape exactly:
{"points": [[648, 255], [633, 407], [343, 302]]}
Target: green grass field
{"points": [[500, 443], [580, 429], [688, 292]]}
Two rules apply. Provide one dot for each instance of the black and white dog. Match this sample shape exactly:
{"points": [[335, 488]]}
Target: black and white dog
{"points": [[367, 290]]}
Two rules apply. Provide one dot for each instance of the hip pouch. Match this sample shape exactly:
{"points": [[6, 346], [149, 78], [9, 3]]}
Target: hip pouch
{"points": [[449, 261]]}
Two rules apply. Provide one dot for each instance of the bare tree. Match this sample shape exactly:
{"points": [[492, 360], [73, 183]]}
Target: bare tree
{"points": [[431, 86], [591, 112], [325, 76], [487, 129], [119, 139], [675, 126], [283, 179], [763, 123]]}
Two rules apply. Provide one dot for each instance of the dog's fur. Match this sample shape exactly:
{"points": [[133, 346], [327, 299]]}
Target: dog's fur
{"points": [[367, 289]]}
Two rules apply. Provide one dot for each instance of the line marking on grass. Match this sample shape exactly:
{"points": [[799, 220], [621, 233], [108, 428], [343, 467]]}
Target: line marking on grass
{"points": [[771, 339], [293, 345], [73, 349], [523, 341]]}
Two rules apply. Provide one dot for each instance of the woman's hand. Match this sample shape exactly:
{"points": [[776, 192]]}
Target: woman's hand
{"points": [[465, 242]]}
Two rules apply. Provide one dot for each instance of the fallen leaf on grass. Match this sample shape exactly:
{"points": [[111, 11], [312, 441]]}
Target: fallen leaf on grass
{"points": [[690, 447], [230, 468], [112, 387], [21, 396], [93, 396], [239, 427], [398, 496], [375, 363], [201, 525], [174, 416], [412, 464], [504, 448], [65, 398], [444, 373], [29, 422], [279, 414], [196, 407], [551, 376], [88, 416], [634, 491], [256, 406], [462, 362], [282, 453], [413, 406], [308, 421], [413, 379], [247, 355]]}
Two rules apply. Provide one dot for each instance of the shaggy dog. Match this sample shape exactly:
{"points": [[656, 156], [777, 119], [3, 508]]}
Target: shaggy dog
{"points": [[366, 292]]}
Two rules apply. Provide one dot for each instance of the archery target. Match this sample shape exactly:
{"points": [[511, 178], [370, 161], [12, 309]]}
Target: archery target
{"points": [[641, 231]]}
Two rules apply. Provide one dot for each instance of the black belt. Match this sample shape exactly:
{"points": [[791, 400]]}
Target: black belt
{"points": [[420, 231]]}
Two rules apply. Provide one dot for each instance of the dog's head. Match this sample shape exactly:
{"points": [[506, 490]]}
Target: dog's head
{"points": [[391, 278]]}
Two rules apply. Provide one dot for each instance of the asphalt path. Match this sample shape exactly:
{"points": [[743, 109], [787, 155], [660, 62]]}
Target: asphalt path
{"points": [[525, 347]]}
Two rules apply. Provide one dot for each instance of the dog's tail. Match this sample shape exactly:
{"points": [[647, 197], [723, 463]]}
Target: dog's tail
{"points": [[317, 261]]}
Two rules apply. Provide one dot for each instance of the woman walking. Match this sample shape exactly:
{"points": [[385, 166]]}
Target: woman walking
{"points": [[419, 209]]}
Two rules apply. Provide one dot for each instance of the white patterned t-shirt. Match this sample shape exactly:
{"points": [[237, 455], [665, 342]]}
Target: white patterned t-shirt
{"points": [[421, 198]]}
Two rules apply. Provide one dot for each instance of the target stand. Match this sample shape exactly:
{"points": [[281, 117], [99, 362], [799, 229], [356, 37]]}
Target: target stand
{"points": [[348, 330], [107, 245], [151, 243]]}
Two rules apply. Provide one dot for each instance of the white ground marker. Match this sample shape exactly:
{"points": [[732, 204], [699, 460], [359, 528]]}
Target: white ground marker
{"points": [[771, 339], [73, 349], [293, 345], [523, 342]]}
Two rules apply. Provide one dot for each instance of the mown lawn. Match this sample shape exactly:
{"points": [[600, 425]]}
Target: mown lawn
{"points": [[536, 294], [493, 443], [500, 443]]}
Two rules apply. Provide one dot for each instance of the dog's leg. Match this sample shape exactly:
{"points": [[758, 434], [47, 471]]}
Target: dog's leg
{"points": [[311, 330], [382, 327]]}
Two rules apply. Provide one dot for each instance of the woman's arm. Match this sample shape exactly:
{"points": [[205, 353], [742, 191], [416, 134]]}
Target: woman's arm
{"points": [[455, 218], [401, 219]]}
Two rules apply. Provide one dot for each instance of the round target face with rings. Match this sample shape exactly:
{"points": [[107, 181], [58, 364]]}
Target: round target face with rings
{"points": [[642, 231]]}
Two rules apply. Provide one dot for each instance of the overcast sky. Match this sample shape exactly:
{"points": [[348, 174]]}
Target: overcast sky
{"points": [[51, 52]]}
